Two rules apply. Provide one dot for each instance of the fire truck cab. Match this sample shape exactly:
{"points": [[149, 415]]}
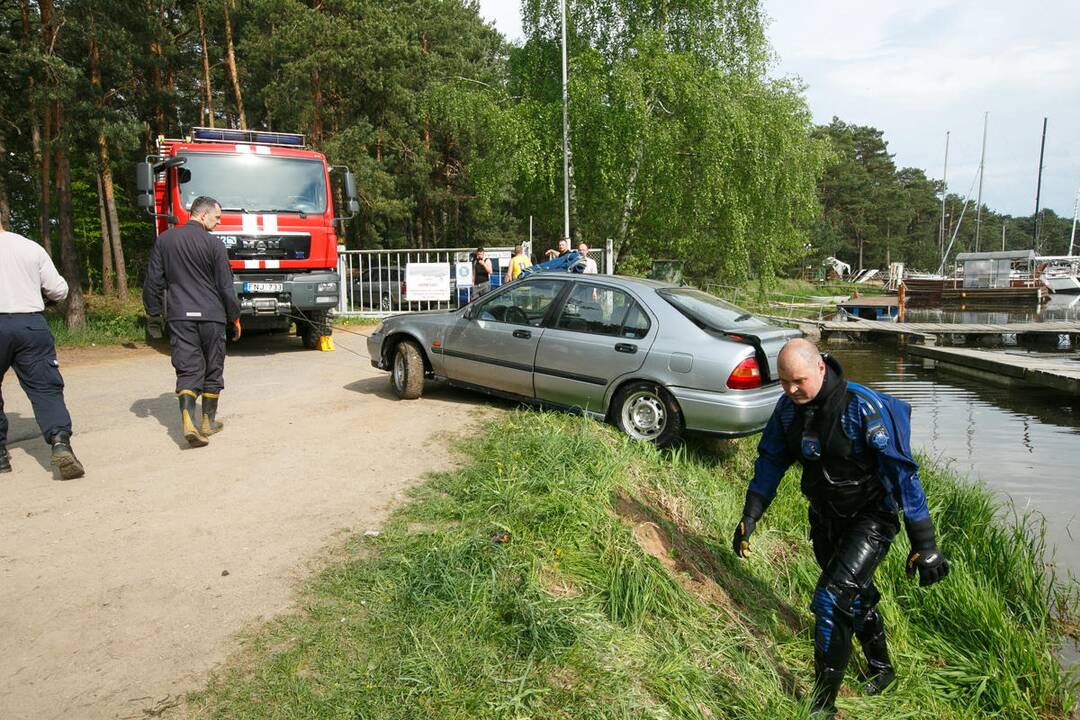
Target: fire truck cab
{"points": [[277, 218]]}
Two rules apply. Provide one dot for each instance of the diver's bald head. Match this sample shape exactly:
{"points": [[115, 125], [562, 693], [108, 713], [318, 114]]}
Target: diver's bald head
{"points": [[802, 370]]}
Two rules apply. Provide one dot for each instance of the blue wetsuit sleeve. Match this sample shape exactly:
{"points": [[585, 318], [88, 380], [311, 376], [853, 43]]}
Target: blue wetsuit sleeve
{"points": [[772, 460], [896, 464]]}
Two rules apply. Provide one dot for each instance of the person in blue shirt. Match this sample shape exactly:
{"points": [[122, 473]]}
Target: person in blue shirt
{"points": [[858, 474]]}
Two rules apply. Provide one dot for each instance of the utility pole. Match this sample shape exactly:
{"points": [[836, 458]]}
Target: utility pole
{"points": [[565, 134], [944, 194], [1003, 223], [982, 169], [1038, 186]]}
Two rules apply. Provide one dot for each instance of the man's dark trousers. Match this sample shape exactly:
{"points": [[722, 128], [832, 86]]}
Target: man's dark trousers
{"points": [[198, 355], [26, 344]]}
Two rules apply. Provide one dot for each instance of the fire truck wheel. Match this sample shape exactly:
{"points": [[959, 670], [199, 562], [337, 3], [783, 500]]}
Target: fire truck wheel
{"points": [[316, 326], [407, 373]]}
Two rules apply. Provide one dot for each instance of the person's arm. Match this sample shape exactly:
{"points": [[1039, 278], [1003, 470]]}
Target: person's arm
{"points": [[154, 284], [53, 283], [487, 265], [772, 462], [223, 278]]}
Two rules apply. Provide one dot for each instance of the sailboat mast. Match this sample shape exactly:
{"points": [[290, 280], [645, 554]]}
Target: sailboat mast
{"points": [[944, 194], [1072, 238], [1038, 186], [982, 170]]}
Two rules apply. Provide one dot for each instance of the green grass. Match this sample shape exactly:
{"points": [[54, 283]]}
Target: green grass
{"points": [[572, 617], [109, 321]]}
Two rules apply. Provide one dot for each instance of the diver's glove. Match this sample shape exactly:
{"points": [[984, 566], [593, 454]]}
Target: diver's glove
{"points": [[155, 327], [753, 509], [925, 555], [232, 330]]}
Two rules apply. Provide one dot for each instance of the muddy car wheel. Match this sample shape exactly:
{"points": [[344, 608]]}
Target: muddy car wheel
{"points": [[407, 372]]}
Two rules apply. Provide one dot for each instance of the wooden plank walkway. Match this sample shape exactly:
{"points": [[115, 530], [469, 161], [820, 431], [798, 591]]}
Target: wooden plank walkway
{"points": [[925, 330], [1061, 373]]}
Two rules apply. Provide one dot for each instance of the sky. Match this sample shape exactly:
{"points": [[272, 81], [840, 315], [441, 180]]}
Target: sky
{"points": [[918, 69]]}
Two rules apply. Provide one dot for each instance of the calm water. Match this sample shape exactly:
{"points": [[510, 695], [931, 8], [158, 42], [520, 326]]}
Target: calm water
{"points": [[1025, 443], [1060, 307]]}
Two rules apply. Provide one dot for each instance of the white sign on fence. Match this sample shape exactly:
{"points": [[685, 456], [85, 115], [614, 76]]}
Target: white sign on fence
{"points": [[427, 282], [463, 274]]}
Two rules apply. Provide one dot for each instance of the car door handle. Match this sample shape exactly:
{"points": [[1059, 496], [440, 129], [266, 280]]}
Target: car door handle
{"points": [[523, 334], [626, 348]]}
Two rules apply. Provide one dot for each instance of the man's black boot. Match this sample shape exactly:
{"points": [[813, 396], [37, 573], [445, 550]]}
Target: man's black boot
{"points": [[63, 457], [5, 460], [827, 682], [210, 425], [187, 419], [880, 673]]}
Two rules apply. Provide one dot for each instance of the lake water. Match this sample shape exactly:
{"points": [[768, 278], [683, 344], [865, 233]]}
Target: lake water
{"points": [[1025, 443]]}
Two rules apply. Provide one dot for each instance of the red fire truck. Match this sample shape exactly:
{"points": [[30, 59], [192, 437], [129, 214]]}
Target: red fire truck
{"points": [[277, 218]]}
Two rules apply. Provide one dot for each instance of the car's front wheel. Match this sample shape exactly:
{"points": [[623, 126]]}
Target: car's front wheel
{"points": [[407, 372], [645, 411]]}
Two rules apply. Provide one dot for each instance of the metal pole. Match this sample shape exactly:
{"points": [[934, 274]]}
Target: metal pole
{"points": [[944, 194], [982, 170], [1003, 236], [565, 134], [1038, 186], [1072, 238]]}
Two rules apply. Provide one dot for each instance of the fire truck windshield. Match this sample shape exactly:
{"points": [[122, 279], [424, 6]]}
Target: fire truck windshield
{"points": [[254, 183]]}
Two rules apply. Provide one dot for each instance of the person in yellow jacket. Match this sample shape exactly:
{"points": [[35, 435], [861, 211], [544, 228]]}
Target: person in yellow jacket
{"points": [[518, 263]]}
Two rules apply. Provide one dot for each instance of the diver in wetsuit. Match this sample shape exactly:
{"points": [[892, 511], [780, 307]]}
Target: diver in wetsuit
{"points": [[854, 447]]}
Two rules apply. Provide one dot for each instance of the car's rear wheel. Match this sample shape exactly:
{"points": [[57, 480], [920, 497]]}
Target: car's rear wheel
{"points": [[645, 411], [407, 372]]}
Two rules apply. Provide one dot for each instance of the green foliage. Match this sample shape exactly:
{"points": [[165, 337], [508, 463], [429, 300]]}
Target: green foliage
{"points": [[109, 321], [613, 594]]}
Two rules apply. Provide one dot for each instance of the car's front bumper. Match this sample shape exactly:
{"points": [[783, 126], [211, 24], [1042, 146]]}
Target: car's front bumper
{"points": [[732, 413]]}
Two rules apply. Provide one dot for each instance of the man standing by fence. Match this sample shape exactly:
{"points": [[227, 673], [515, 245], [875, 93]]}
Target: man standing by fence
{"points": [[26, 344], [191, 267]]}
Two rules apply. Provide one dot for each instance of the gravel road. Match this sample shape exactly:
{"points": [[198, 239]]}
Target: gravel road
{"points": [[120, 591]]}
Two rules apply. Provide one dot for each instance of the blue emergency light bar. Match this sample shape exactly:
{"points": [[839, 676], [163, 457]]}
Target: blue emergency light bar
{"points": [[202, 134]]}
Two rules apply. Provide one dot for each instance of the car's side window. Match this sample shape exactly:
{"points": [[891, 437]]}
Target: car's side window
{"points": [[601, 310], [523, 304]]}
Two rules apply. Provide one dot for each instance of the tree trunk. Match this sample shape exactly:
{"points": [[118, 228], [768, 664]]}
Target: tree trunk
{"points": [[158, 126], [106, 250], [44, 180], [75, 313], [35, 126], [208, 93], [113, 217], [317, 103], [230, 61], [628, 202]]}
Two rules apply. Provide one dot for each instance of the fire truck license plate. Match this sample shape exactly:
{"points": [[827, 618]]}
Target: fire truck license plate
{"points": [[263, 287]]}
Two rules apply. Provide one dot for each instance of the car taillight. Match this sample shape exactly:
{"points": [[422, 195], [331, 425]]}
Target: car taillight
{"points": [[745, 376]]}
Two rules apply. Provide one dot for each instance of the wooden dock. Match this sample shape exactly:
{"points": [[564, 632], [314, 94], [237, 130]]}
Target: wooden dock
{"points": [[953, 334], [1008, 369]]}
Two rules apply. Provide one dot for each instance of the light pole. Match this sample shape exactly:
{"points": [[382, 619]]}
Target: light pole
{"points": [[565, 135]]}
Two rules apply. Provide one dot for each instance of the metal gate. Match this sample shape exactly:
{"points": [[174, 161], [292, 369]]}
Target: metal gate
{"points": [[373, 282]]}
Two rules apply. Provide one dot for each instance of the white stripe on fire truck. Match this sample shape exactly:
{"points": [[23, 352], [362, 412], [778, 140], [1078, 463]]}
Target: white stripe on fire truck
{"points": [[251, 265], [262, 149], [243, 148], [272, 264], [269, 223], [250, 223]]}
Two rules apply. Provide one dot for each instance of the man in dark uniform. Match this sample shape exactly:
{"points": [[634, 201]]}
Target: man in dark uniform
{"points": [[192, 267], [26, 344], [858, 472]]}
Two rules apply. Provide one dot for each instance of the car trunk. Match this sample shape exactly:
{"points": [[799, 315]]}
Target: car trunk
{"points": [[766, 342]]}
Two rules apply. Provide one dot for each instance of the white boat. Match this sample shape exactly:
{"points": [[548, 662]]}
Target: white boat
{"points": [[1062, 274]]}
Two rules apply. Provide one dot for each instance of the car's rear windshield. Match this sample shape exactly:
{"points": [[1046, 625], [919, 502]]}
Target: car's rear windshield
{"points": [[711, 312]]}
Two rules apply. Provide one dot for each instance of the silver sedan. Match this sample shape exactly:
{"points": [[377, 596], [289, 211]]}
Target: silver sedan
{"points": [[654, 358]]}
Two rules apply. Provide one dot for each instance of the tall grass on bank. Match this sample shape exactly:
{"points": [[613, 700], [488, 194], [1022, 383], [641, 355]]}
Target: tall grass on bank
{"points": [[109, 321], [566, 572]]}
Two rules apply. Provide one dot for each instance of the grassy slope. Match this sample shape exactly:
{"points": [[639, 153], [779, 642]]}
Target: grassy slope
{"points": [[109, 321], [616, 596]]}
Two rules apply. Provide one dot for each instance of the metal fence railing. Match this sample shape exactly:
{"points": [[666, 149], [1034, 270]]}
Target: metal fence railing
{"points": [[375, 283]]}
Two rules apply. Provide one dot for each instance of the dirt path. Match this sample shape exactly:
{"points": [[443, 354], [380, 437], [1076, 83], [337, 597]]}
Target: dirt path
{"points": [[123, 589]]}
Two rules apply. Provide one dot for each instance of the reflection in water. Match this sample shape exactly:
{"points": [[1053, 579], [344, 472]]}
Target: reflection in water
{"points": [[1060, 307], [1025, 443]]}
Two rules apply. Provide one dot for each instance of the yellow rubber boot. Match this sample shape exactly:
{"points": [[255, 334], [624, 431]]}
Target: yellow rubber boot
{"points": [[210, 424], [187, 415]]}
